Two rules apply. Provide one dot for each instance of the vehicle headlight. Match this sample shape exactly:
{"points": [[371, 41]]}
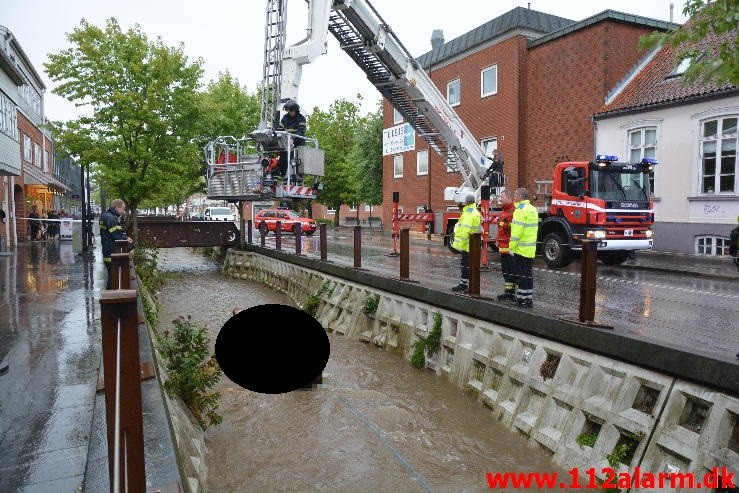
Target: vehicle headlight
{"points": [[649, 233], [595, 235]]}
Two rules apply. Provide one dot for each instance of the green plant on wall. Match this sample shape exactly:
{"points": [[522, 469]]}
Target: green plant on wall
{"points": [[192, 371], [587, 439], [430, 344], [371, 303], [623, 452], [311, 305]]}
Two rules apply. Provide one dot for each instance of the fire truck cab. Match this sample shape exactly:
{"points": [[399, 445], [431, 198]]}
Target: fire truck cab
{"points": [[601, 200]]}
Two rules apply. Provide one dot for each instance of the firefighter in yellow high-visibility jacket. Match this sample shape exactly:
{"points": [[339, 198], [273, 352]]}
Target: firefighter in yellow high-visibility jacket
{"points": [[524, 228], [469, 223]]}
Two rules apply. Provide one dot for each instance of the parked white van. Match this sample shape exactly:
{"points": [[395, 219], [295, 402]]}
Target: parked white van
{"points": [[219, 214]]}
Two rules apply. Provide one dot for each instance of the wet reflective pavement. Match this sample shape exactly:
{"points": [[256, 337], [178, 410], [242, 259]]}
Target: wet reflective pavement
{"points": [[50, 340]]}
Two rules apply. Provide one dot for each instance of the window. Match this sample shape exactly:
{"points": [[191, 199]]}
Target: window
{"points": [[8, 117], [27, 149], [367, 207], [32, 97], [643, 144], [422, 163], [488, 146], [712, 245], [397, 117], [330, 211], [489, 81], [453, 92], [353, 208], [37, 154], [718, 155], [46, 161], [398, 166]]}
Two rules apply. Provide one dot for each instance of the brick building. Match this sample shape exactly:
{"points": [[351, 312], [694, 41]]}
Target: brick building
{"points": [[526, 83]]}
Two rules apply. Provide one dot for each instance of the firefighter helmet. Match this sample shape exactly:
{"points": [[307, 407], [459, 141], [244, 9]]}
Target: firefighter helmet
{"points": [[291, 105]]}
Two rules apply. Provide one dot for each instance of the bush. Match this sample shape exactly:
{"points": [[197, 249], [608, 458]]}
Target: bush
{"points": [[371, 303], [431, 344], [311, 305], [192, 372]]}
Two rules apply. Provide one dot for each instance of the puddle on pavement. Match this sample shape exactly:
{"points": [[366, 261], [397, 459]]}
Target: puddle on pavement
{"points": [[376, 424]]}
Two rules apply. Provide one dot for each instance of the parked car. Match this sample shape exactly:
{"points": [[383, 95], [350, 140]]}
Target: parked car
{"points": [[287, 217], [197, 216], [219, 214]]}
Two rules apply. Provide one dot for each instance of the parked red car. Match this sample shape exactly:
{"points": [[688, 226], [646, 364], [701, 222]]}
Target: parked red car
{"points": [[287, 218]]}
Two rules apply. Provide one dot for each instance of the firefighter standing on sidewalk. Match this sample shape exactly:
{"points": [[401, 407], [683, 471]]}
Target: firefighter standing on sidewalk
{"points": [[110, 231], [469, 223], [522, 245], [501, 241]]}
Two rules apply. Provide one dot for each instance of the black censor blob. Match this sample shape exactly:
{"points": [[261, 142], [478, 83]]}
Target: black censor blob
{"points": [[272, 349]]}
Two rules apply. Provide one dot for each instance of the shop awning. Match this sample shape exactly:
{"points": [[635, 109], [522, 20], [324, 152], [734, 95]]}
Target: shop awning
{"points": [[34, 176]]}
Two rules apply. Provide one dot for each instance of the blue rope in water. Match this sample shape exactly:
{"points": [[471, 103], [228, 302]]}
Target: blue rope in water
{"points": [[389, 445]]}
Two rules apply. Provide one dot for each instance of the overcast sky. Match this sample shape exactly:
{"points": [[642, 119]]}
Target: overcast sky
{"points": [[229, 34]]}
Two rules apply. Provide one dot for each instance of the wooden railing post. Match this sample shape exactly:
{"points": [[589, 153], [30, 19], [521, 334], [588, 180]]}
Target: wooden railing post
{"points": [[122, 374], [120, 269]]}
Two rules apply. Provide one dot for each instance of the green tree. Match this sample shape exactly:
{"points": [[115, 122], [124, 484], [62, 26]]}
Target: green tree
{"points": [[228, 109], [715, 63], [143, 112], [335, 130], [367, 154]]}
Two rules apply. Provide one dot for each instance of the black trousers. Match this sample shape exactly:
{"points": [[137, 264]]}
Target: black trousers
{"points": [[508, 268], [464, 262], [109, 270], [524, 277]]}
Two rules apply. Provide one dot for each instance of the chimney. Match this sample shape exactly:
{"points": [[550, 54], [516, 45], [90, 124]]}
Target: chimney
{"points": [[437, 39]]}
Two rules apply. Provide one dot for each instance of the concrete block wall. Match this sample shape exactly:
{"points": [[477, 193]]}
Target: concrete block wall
{"points": [[548, 392]]}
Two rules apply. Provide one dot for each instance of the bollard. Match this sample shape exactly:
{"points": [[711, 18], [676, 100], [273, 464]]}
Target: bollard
{"points": [[396, 226], [298, 232], [474, 283], [121, 371], [120, 270], [278, 236], [248, 231], [324, 247], [357, 247], [588, 267], [262, 233], [404, 254]]}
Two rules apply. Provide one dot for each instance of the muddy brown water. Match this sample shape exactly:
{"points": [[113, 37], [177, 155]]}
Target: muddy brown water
{"points": [[377, 424]]}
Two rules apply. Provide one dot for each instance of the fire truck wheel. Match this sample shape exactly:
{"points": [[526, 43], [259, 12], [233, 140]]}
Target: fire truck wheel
{"points": [[613, 257], [556, 252]]}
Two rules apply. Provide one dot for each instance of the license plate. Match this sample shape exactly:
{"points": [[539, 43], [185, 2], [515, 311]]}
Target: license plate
{"points": [[628, 232], [602, 244]]}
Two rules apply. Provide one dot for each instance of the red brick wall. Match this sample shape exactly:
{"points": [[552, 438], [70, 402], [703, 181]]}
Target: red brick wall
{"points": [[541, 113], [28, 128], [568, 79]]}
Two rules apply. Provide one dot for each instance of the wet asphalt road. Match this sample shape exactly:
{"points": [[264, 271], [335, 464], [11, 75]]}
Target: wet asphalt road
{"points": [[681, 309]]}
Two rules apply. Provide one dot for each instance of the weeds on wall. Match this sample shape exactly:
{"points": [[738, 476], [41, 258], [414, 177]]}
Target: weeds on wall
{"points": [[371, 303], [428, 345], [587, 439], [192, 371], [624, 450], [549, 366], [311, 305]]}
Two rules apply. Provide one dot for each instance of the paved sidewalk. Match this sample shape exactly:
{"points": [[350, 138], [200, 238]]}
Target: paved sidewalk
{"points": [[50, 340]]}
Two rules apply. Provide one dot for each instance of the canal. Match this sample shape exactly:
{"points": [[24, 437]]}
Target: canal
{"points": [[376, 424]]}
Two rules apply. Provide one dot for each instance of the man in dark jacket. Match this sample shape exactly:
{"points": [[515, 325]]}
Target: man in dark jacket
{"points": [[34, 220], [110, 231], [292, 122], [734, 246]]}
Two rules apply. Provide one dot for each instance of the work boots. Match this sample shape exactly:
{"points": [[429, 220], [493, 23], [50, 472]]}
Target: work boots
{"points": [[462, 286]]}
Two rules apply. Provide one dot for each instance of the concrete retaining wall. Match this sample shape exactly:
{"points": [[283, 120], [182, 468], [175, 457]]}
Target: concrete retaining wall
{"points": [[552, 393]]}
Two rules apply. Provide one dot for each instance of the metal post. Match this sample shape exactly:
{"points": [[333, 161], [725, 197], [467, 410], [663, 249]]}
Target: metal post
{"points": [[404, 254], [588, 265], [485, 206], [120, 266], [474, 283], [298, 232], [82, 209], [357, 247], [89, 211], [248, 231], [262, 233], [242, 223], [122, 376], [278, 236], [322, 235]]}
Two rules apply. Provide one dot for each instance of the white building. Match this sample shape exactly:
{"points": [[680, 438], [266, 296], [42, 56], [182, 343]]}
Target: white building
{"points": [[692, 130]]}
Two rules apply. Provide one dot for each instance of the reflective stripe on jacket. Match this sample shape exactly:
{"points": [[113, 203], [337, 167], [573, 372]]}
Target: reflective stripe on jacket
{"points": [[524, 229], [504, 228], [469, 223]]}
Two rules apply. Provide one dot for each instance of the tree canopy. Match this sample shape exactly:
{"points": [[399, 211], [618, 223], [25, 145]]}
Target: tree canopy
{"points": [[143, 111], [718, 64], [367, 156]]}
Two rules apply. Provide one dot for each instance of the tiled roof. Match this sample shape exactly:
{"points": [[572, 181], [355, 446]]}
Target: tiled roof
{"points": [[518, 18], [651, 84]]}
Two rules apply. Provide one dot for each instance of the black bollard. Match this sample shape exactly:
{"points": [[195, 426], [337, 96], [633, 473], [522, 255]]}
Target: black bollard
{"points": [[278, 236], [324, 246], [588, 270], [298, 231], [404, 254], [357, 247]]}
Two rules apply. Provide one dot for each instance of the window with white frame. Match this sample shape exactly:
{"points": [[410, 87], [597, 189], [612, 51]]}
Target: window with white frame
{"points": [[32, 97], [367, 207], [8, 117], [398, 166], [488, 146], [397, 117], [422, 163], [37, 155], [718, 155], [27, 148], [489, 81], [643, 144], [453, 92], [330, 210], [712, 245], [353, 208]]}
